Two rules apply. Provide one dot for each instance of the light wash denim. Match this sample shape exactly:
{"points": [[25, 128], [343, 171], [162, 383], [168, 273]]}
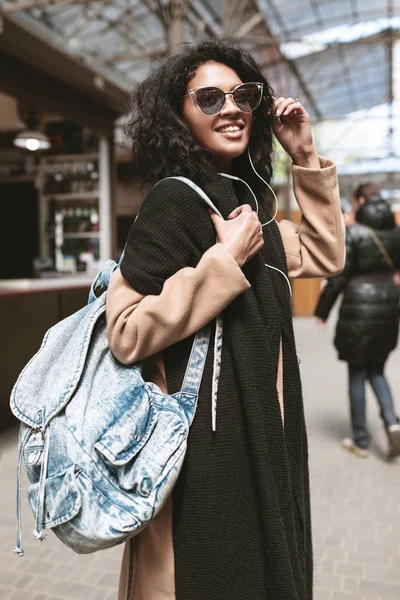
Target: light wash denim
{"points": [[102, 447]]}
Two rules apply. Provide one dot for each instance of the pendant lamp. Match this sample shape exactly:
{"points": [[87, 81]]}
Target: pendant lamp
{"points": [[31, 138]]}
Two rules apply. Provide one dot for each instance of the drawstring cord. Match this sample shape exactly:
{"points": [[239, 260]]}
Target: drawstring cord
{"points": [[44, 461], [18, 548], [38, 532], [216, 370]]}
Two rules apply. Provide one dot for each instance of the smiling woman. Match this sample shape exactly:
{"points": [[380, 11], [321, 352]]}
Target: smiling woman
{"points": [[238, 523], [165, 105], [225, 128]]}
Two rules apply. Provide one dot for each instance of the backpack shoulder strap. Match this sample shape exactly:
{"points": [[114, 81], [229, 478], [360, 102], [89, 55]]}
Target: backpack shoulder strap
{"points": [[197, 189], [219, 322]]}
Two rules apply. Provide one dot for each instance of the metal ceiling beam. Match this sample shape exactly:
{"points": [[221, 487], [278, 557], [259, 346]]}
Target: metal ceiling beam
{"points": [[204, 17], [317, 15], [354, 11], [248, 25], [29, 47], [292, 65], [390, 44], [229, 16], [211, 11], [260, 40], [240, 12], [90, 13], [332, 80], [91, 57], [157, 8], [178, 12], [347, 77], [132, 56], [19, 6], [114, 25]]}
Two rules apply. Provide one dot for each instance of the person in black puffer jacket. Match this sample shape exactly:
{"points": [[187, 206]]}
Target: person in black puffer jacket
{"points": [[368, 324]]}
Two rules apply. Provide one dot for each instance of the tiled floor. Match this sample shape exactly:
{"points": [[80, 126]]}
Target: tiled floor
{"points": [[356, 507]]}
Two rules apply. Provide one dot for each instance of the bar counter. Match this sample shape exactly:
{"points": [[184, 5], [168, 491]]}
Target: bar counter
{"points": [[28, 308], [12, 287]]}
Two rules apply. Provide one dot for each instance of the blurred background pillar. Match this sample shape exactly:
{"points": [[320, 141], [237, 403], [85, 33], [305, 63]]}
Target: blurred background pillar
{"points": [[178, 11], [106, 170]]}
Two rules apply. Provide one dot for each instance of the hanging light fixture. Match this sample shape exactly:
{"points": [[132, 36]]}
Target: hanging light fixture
{"points": [[31, 138]]}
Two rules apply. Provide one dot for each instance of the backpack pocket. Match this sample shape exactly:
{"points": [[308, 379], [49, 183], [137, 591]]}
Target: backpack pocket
{"points": [[137, 447], [124, 440], [62, 498], [152, 465]]}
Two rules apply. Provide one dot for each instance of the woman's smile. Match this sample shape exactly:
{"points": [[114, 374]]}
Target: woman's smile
{"points": [[231, 131]]}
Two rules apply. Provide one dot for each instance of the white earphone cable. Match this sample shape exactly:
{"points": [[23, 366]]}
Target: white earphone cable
{"points": [[256, 203], [253, 194], [282, 273], [270, 188]]}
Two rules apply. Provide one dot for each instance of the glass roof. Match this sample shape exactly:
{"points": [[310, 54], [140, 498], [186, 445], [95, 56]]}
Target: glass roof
{"points": [[337, 56]]}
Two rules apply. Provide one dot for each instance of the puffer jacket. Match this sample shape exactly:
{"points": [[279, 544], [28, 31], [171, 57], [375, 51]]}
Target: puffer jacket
{"points": [[368, 324]]}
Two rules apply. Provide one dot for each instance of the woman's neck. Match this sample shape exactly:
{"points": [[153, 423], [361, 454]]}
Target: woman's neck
{"points": [[223, 165]]}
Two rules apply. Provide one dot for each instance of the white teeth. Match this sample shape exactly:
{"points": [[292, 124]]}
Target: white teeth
{"points": [[229, 128]]}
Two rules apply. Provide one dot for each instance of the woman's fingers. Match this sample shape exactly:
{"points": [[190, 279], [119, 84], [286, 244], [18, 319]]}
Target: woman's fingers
{"points": [[241, 234], [284, 104], [243, 208], [294, 107], [279, 104], [215, 218]]}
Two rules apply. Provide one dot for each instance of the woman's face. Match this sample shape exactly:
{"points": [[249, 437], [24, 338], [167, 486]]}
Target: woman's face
{"points": [[227, 134]]}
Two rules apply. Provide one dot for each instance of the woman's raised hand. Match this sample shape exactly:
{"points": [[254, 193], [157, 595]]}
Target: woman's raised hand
{"points": [[292, 127], [241, 234]]}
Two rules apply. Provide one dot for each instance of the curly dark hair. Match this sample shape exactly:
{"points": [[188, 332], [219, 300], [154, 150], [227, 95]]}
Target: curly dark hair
{"points": [[163, 144]]}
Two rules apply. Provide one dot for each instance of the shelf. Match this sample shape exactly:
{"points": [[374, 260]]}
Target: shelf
{"points": [[16, 179], [52, 158], [78, 234], [82, 196]]}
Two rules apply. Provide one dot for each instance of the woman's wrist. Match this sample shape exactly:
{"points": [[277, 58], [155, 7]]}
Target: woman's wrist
{"points": [[306, 158]]}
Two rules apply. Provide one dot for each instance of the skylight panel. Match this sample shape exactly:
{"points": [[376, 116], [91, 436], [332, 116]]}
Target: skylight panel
{"points": [[320, 40]]}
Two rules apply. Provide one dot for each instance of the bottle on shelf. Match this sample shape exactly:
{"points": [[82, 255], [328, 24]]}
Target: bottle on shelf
{"points": [[94, 220], [86, 219], [73, 225]]}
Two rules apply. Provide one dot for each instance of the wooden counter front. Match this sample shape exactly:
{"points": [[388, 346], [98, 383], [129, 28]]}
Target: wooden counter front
{"points": [[28, 308]]}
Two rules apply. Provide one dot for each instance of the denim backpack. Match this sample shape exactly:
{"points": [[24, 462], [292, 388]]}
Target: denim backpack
{"points": [[102, 448]]}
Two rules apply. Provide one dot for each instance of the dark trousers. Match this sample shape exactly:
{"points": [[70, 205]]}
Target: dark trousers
{"points": [[357, 379]]}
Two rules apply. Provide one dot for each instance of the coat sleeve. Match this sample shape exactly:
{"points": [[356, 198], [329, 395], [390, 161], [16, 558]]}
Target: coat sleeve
{"points": [[316, 247], [167, 289], [333, 286], [140, 326]]}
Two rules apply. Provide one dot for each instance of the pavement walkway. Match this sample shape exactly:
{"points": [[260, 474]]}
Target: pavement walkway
{"points": [[356, 507]]}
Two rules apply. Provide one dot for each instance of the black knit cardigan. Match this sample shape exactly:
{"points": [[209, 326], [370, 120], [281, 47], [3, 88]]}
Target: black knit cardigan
{"points": [[241, 507]]}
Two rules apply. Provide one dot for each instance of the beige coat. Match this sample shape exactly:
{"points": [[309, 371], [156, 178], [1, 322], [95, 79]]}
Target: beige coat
{"points": [[141, 327]]}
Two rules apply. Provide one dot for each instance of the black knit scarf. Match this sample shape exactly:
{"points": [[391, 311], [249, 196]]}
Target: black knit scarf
{"points": [[241, 521]]}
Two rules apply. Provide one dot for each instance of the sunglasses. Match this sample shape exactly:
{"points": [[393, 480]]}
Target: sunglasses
{"points": [[211, 100]]}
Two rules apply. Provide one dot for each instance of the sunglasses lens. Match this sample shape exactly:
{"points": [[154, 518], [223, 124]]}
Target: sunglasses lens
{"points": [[210, 100], [247, 97]]}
